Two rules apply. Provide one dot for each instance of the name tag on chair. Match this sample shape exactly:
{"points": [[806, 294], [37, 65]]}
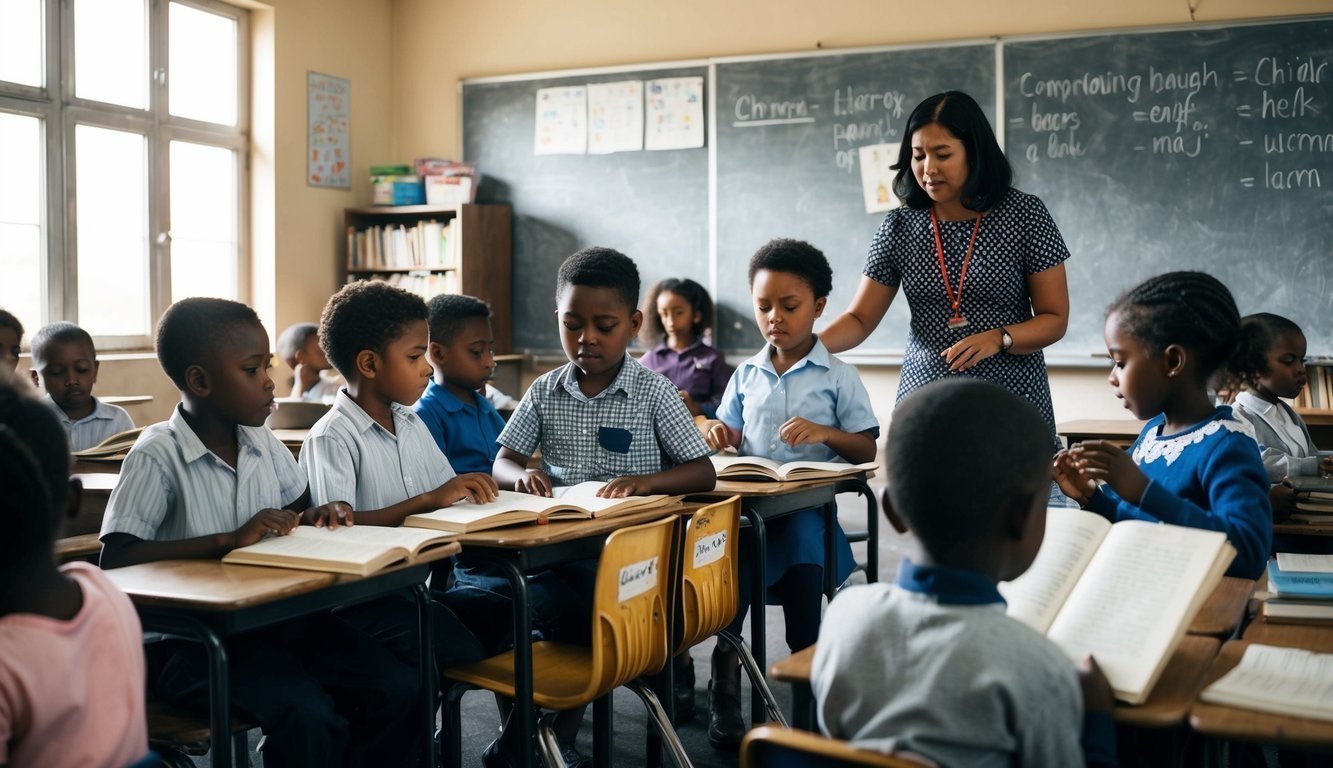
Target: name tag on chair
{"points": [[637, 578], [710, 549]]}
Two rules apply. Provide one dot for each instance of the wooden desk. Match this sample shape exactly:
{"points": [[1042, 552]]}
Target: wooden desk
{"points": [[516, 551], [208, 601], [1311, 637], [126, 399], [97, 488], [293, 439], [1221, 613], [1251, 725], [795, 669], [82, 547], [1116, 430]]}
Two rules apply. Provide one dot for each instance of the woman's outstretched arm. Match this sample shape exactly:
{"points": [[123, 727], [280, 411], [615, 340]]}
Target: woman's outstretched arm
{"points": [[854, 325]]}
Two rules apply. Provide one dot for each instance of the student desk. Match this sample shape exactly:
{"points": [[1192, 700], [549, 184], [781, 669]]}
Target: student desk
{"points": [[123, 400], [293, 439], [97, 488], [1122, 431], [209, 601], [518, 550], [85, 546], [1224, 609]]}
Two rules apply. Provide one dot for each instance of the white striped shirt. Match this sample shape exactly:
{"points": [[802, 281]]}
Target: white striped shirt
{"points": [[349, 457], [105, 421], [172, 487]]}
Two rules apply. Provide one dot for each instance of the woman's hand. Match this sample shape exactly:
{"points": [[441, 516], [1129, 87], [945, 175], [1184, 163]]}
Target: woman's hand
{"points": [[1105, 461], [971, 350]]}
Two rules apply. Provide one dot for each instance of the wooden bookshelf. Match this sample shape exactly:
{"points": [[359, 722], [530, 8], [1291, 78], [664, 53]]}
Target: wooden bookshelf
{"points": [[482, 245], [1315, 403]]}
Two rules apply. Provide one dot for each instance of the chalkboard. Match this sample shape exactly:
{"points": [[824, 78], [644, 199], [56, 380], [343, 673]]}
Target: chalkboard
{"points": [[650, 205], [787, 137], [1209, 150]]}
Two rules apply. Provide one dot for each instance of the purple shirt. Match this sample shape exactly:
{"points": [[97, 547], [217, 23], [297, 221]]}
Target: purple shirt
{"points": [[699, 369]]}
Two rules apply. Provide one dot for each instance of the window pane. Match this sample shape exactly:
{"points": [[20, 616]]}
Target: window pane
{"points": [[204, 227], [111, 185], [111, 51], [21, 41], [20, 218], [202, 78]]}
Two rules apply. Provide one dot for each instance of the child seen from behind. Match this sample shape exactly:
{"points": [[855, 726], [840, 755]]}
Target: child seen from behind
{"points": [[64, 363]]}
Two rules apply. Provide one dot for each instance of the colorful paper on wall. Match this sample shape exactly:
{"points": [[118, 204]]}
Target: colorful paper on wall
{"points": [[328, 158], [675, 113], [562, 121], [877, 176], [615, 117]]}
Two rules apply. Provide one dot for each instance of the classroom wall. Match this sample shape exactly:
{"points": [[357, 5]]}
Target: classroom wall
{"points": [[438, 43]]}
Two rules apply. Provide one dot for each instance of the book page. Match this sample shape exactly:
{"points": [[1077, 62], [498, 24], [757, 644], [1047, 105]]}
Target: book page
{"points": [[1072, 537], [1135, 599], [505, 501], [722, 463], [308, 545], [379, 536], [1288, 681], [1292, 562], [796, 469]]}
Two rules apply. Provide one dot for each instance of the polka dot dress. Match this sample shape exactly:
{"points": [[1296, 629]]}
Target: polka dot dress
{"points": [[1017, 238]]}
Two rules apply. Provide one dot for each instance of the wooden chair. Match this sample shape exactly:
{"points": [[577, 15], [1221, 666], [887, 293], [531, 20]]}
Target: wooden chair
{"points": [[768, 747], [629, 639], [176, 736]]}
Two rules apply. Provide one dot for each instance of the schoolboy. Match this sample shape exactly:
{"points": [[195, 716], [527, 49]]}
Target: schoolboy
{"points": [[11, 333], [603, 416], [931, 665], [64, 363], [298, 347], [211, 479], [71, 649]]}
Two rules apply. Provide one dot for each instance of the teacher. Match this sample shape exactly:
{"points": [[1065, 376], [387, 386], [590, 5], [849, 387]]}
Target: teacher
{"points": [[981, 263]]}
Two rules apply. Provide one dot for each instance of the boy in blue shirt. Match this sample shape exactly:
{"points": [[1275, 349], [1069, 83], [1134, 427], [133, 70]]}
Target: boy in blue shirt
{"points": [[64, 363], [212, 479]]}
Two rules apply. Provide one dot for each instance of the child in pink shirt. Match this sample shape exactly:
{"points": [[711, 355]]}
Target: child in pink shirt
{"points": [[71, 648]]}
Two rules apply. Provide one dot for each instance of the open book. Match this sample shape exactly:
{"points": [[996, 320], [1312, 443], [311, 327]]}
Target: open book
{"points": [[359, 550], [511, 508], [1126, 593], [114, 448], [1287, 681], [760, 468]]}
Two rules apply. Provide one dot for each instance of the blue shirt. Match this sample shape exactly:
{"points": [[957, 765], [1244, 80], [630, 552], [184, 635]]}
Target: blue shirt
{"points": [[819, 387], [1209, 476], [466, 432], [105, 420]]}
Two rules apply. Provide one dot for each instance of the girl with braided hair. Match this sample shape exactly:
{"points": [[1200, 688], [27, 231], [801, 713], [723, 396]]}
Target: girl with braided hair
{"points": [[1194, 464]]}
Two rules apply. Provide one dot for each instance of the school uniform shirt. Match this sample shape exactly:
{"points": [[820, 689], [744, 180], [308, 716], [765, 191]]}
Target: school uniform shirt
{"points": [[1208, 476], [349, 457], [698, 369], [465, 432], [931, 665], [1284, 441], [324, 390], [72, 692], [636, 426], [105, 421], [172, 487]]}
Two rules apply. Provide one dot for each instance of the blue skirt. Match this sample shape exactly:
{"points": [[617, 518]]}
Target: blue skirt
{"points": [[798, 539]]}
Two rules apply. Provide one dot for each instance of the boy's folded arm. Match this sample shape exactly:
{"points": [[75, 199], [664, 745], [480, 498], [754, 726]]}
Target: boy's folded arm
{"points": [[122, 549], [855, 447], [694, 476]]}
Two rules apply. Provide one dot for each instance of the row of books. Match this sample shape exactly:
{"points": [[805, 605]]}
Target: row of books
{"points": [[1318, 392], [425, 245], [424, 284], [1314, 499]]}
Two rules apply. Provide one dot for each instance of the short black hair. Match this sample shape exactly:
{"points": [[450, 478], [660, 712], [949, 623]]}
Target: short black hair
{"points": [[366, 314], [797, 257], [192, 330], [1256, 337], [7, 320], [447, 313], [599, 267], [694, 294], [58, 332], [293, 340], [1008, 448], [988, 171], [34, 471], [1192, 309]]}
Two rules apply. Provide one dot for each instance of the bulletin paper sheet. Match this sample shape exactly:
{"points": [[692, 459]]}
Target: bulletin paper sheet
{"points": [[615, 117], [562, 121], [675, 113]]}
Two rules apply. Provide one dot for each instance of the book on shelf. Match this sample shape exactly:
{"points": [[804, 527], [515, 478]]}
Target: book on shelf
{"points": [[428, 244], [1318, 390], [1125, 593], [1284, 681], [572, 502], [760, 468], [359, 549], [114, 448], [425, 285]]}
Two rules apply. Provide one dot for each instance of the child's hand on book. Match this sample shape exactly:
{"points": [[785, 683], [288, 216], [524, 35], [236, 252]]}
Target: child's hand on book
{"points": [[620, 487], [266, 522], [534, 482], [801, 431], [1073, 483], [476, 487], [1105, 461], [331, 515], [1097, 694]]}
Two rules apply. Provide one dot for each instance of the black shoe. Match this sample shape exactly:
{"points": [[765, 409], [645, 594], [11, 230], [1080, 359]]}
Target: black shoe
{"points": [[684, 688], [726, 726]]}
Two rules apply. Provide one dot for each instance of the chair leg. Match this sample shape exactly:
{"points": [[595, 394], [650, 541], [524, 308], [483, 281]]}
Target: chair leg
{"points": [[547, 743], [659, 716], [451, 725], [757, 680], [240, 748]]}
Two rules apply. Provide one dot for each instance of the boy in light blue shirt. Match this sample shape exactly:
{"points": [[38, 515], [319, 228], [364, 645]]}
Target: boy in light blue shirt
{"points": [[64, 363]]}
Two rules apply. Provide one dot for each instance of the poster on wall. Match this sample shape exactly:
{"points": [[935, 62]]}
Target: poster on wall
{"points": [[562, 121], [675, 113], [328, 153]]}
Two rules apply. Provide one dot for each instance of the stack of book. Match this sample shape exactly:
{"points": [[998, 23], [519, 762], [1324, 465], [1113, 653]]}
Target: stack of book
{"points": [[396, 185], [1314, 499], [447, 182], [1303, 585]]}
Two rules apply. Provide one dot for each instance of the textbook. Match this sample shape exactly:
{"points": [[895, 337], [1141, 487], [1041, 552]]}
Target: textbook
{"points": [[358, 550], [1302, 576], [572, 502], [1279, 610], [760, 468], [1286, 681], [114, 448], [1125, 593]]}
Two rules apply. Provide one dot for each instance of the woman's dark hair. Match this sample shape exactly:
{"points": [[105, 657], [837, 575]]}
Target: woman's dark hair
{"points": [[1258, 333], [694, 294], [1192, 309], [988, 171]]}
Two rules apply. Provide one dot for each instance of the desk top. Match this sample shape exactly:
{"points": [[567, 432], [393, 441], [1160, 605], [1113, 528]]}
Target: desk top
{"points": [[1253, 725], [77, 547], [795, 668], [1221, 613], [125, 399], [212, 585], [541, 534], [1311, 637]]}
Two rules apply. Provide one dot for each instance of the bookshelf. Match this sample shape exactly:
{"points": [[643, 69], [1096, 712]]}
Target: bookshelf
{"points": [[431, 249], [1315, 403]]}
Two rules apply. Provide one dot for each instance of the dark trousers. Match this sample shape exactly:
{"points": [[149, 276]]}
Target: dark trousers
{"points": [[323, 693], [392, 622]]}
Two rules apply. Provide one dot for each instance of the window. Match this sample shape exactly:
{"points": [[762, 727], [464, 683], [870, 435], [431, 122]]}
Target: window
{"points": [[124, 139]]}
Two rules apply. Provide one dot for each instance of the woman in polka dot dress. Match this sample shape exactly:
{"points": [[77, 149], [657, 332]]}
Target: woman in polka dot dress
{"points": [[981, 263]]}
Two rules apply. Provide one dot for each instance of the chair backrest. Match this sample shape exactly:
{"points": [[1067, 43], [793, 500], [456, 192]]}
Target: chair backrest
{"points": [[708, 585], [629, 633], [770, 747]]}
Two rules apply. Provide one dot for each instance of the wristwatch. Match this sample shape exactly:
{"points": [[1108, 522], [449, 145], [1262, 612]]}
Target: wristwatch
{"points": [[1006, 341]]}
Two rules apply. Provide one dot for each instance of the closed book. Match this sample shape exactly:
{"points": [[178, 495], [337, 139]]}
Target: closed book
{"points": [[390, 170], [1280, 610], [1300, 584], [509, 508]]}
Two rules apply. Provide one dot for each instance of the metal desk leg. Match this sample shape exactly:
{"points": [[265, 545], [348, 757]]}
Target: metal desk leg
{"points": [[426, 663], [601, 730], [830, 548], [219, 694], [522, 718], [758, 592]]}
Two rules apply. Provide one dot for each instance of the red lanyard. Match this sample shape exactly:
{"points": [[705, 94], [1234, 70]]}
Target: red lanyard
{"points": [[955, 299]]}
